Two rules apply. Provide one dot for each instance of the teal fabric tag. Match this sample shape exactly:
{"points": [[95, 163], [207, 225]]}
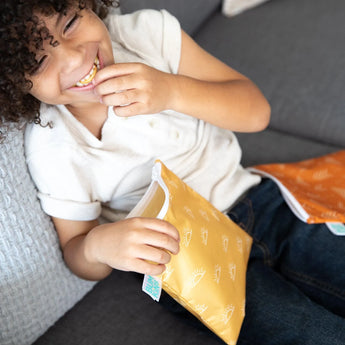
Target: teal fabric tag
{"points": [[152, 286], [337, 228]]}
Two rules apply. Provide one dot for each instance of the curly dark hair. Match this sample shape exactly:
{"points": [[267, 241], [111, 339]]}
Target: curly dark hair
{"points": [[21, 35]]}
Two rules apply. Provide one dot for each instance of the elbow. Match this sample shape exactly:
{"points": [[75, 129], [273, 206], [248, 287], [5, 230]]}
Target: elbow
{"points": [[259, 110], [260, 114], [263, 116]]}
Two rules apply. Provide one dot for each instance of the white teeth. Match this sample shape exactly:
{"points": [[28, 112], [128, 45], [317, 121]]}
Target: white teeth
{"points": [[88, 78]]}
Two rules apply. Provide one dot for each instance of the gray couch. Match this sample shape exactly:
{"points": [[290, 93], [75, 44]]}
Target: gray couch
{"points": [[294, 51]]}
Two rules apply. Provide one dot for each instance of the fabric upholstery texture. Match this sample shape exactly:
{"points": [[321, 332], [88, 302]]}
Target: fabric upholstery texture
{"points": [[292, 50], [271, 146], [186, 14], [36, 288], [117, 312]]}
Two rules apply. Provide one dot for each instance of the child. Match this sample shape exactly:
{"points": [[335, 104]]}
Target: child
{"points": [[105, 99]]}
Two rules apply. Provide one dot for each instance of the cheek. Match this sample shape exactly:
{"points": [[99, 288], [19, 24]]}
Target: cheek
{"points": [[104, 36], [44, 89], [45, 95], [35, 92], [38, 92]]}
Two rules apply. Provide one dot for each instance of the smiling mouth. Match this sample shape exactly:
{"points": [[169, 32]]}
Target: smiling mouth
{"points": [[89, 77]]}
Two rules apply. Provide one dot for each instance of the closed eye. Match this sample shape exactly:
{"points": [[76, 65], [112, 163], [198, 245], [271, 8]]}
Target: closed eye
{"points": [[37, 69], [70, 24], [41, 60]]}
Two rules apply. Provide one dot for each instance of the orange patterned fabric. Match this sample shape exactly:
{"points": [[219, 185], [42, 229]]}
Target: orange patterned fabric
{"points": [[318, 185]]}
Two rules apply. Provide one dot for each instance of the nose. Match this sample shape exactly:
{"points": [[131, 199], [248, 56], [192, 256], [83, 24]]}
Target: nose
{"points": [[70, 57]]}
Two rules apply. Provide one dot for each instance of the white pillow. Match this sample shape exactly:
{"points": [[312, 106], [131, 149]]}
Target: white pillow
{"points": [[234, 7]]}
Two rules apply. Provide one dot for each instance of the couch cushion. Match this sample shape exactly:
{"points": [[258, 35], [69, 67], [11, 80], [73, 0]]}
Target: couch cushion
{"points": [[117, 312], [191, 14], [293, 49], [272, 146], [36, 288]]}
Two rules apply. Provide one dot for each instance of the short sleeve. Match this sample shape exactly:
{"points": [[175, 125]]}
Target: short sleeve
{"points": [[153, 35], [61, 177], [68, 209]]}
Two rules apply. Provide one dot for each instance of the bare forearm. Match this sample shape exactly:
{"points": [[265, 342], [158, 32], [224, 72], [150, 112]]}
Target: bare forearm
{"points": [[142, 245], [75, 256], [237, 105]]}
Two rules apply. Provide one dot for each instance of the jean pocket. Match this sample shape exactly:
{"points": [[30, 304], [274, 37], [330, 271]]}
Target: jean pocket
{"points": [[243, 215]]}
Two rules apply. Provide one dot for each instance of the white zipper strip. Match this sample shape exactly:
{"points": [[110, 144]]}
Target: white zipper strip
{"points": [[295, 206], [156, 176]]}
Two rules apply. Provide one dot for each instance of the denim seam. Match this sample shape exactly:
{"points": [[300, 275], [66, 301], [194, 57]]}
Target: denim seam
{"points": [[251, 217], [249, 229], [315, 283], [268, 261], [262, 245]]}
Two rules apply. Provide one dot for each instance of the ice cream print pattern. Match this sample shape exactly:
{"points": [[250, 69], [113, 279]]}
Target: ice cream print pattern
{"points": [[208, 275]]}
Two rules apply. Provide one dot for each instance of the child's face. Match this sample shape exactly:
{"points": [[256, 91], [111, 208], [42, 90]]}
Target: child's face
{"points": [[82, 39]]}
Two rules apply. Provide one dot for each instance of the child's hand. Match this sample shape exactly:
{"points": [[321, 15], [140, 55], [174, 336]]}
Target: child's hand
{"points": [[142, 245], [133, 88]]}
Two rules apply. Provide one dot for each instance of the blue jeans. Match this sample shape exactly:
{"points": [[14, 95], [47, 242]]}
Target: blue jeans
{"points": [[295, 279]]}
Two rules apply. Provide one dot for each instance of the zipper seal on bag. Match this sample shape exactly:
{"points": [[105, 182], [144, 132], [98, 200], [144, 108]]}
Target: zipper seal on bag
{"points": [[156, 176], [152, 285]]}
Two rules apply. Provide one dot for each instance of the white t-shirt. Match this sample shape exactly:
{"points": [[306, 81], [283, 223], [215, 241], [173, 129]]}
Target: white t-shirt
{"points": [[76, 173]]}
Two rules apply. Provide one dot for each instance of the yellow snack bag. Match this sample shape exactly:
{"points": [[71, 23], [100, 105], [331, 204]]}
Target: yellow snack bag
{"points": [[208, 275]]}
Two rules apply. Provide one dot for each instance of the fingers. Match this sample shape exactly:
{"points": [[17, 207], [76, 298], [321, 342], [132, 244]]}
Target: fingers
{"points": [[155, 233], [117, 85], [132, 88], [121, 98], [117, 78], [115, 71], [129, 110], [145, 267], [161, 226], [157, 240], [121, 90], [143, 245], [154, 255]]}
